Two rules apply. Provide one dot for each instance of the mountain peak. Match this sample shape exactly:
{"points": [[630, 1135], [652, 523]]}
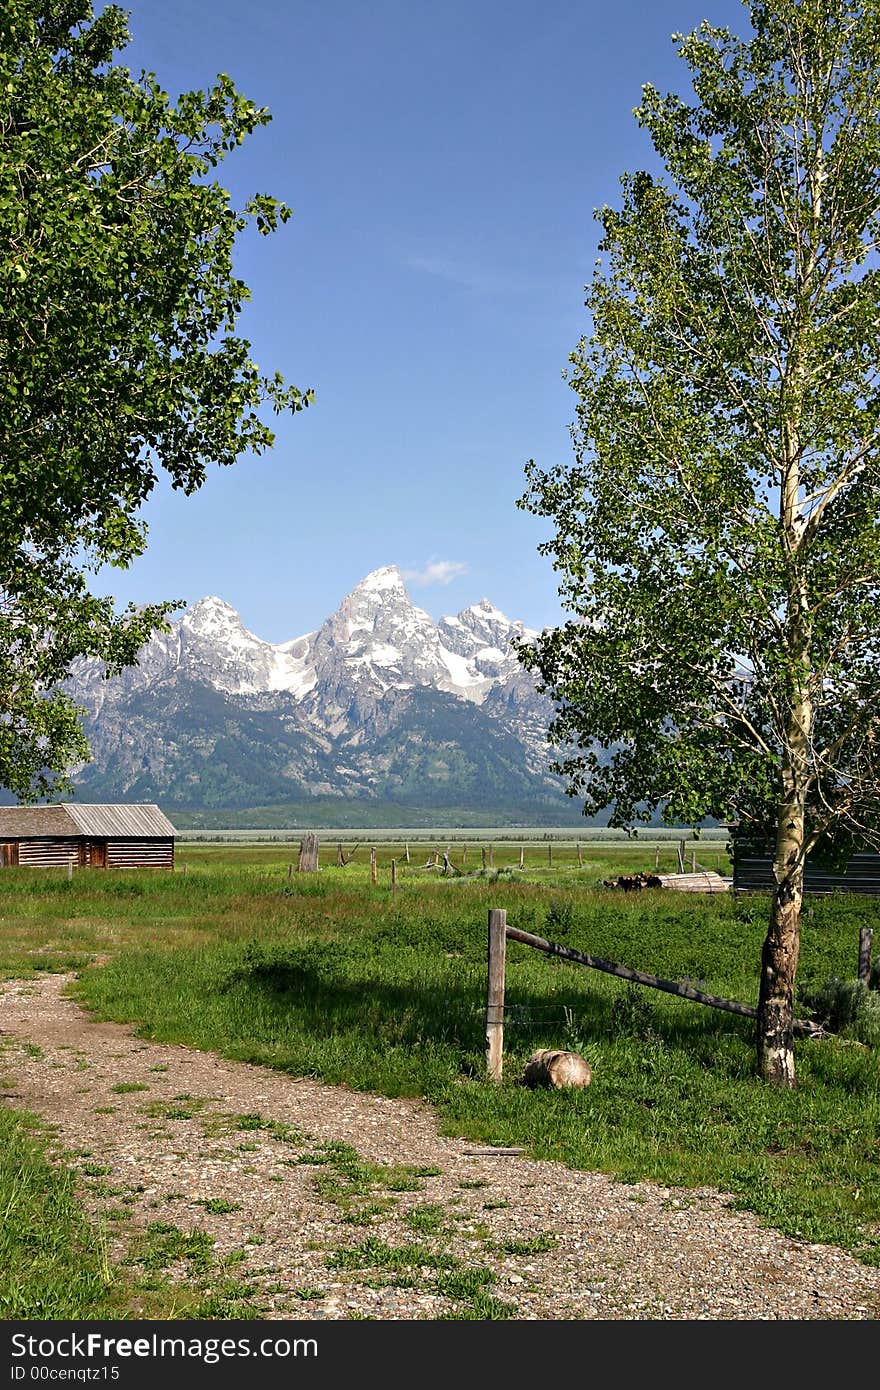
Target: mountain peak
{"points": [[211, 604], [487, 609], [381, 580], [211, 616], [379, 703]]}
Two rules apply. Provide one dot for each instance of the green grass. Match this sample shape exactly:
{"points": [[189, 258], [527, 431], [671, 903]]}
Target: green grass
{"points": [[218, 1206], [330, 976], [352, 1182], [54, 1264], [51, 923], [428, 1220], [532, 1245]]}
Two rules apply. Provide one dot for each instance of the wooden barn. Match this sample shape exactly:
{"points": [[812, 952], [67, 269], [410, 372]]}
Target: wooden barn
{"points": [[753, 870], [98, 837]]}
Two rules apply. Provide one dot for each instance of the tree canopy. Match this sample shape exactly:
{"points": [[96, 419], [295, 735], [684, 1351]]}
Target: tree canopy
{"points": [[717, 535], [119, 356]]}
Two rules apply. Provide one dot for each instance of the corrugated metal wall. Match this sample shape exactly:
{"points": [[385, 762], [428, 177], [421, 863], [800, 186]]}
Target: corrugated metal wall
{"points": [[753, 873]]}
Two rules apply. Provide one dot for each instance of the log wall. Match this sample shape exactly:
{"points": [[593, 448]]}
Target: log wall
{"points": [[57, 851], [50, 851], [140, 854]]}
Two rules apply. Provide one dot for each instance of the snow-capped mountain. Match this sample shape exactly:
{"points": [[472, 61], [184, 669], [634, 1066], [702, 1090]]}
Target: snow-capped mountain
{"points": [[378, 640], [210, 644], [378, 671]]}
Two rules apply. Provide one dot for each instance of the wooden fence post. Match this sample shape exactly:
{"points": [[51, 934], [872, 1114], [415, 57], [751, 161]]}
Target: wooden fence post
{"points": [[373, 870], [340, 857], [491, 856], [681, 856], [290, 871], [693, 861], [580, 856], [308, 855], [550, 856], [406, 853], [393, 874], [865, 937], [522, 856], [464, 856], [483, 852], [495, 1000], [657, 857]]}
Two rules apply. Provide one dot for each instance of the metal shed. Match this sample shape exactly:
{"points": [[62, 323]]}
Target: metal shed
{"points": [[753, 870], [105, 836]]}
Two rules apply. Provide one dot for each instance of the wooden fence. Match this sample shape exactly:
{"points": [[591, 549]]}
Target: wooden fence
{"points": [[500, 933]]}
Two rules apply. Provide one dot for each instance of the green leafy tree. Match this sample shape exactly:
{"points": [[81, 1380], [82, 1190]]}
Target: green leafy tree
{"points": [[118, 352], [717, 535]]}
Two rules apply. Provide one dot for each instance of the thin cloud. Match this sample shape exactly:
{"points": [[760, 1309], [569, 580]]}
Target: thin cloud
{"points": [[436, 572], [469, 277], [476, 275]]}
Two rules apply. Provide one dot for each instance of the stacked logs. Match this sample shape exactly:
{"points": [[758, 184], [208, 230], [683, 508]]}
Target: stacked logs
{"points": [[633, 883]]}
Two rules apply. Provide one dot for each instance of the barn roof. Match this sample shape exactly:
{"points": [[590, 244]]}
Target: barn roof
{"points": [[77, 818], [21, 822], [132, 819]]}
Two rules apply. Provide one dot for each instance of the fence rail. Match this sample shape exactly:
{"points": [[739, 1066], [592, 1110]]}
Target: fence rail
{"points": [[500, 933]]}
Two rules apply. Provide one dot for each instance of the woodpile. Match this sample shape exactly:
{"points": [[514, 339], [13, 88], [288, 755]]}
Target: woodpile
{"points": [[706, 881], [633, 883], [555, 1068]]}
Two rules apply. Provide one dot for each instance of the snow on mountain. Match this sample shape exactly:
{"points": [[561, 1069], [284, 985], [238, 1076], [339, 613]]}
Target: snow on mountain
{"points": [[378, 702], [215, 645], [209, 645], [377, 642], [482, 635]]}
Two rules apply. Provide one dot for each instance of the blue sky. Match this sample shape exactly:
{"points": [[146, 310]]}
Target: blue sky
{"points": [[443, 160]]}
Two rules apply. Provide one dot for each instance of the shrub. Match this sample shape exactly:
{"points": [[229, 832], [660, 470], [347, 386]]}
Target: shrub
{"points": [[560, 920], [632, 1015], [848, 1007]]}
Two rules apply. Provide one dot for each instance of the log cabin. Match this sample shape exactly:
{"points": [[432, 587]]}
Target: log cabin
{"points": [[105, 836]]}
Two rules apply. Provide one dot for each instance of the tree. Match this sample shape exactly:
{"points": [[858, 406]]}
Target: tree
{"points": [[118, 352], [718, 534]]}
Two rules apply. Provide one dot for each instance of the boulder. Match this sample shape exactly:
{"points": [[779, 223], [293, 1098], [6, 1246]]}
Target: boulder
{"points": [[555, 1068]]}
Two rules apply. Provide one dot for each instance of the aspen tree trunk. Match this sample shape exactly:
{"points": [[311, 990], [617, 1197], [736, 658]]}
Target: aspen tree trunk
{"points": [[779, 956]]}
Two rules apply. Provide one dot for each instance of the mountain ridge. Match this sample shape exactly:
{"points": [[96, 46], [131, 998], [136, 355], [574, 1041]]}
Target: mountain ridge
{"points": [[379, 704]]}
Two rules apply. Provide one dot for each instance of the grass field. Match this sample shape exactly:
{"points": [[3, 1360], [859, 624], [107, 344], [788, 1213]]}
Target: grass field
{"points": [[332, 976]]}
